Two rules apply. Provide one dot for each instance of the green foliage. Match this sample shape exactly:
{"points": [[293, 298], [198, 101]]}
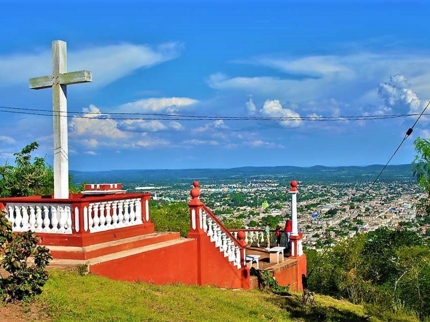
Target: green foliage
{"points": [[24, 279], [267, 281], [421, 164], [26, 178], [421, 171], [173, 216], [386, 268], [233, 223]]}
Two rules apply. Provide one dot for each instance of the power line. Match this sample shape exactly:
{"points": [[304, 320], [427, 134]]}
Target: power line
{"points": [[408, 132], [182, 117]]}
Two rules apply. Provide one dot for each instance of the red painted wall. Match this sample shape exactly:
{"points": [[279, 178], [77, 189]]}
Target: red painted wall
{"points": [[292, 275], [215, 269], [173, 264]]}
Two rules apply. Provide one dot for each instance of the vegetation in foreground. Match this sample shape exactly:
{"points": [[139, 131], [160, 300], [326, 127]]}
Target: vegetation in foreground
{"points": [[68, 296]]}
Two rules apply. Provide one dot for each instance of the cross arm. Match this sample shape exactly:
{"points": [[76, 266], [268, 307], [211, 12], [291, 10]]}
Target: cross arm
{"points": [[79, 77], [83, 76], [41, 82]]}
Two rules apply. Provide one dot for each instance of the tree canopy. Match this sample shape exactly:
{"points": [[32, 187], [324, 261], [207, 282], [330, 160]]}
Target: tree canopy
{"points": [[28, 176]]}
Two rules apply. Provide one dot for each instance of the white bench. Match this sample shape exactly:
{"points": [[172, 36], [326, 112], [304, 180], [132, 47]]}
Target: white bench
{"points": [[252, 259], [276, 254]]}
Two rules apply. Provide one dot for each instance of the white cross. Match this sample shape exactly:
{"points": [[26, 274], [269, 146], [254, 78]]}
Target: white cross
{"points": [[59, 80]]}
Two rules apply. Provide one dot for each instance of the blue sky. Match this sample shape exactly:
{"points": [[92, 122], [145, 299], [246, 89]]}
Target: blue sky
{"points": [[219, 84]]}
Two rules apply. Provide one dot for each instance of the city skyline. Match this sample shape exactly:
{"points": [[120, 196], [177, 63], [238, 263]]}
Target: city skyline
{"points": [[213, 84]]}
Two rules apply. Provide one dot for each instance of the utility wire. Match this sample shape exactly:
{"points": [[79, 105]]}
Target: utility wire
{"points": [[408, 132], [180, 117]]}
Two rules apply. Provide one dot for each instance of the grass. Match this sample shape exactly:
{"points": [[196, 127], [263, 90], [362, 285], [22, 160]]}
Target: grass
{"points": [[70, 297]]}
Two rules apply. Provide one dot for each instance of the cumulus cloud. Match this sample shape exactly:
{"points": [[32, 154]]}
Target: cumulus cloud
{"points": [[398, 96], [164, 104], [273, 108], [107, 63], [94, 123]]}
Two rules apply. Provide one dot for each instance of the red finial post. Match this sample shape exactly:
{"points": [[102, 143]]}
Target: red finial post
{"points": [[195, 194], [293, 186]]}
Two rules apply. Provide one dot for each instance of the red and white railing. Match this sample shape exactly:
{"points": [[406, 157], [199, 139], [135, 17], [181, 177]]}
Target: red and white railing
{"points": [[204, 221]]}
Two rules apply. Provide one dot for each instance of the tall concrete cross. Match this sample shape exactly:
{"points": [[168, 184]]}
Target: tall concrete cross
{"points": [[59, 80]]}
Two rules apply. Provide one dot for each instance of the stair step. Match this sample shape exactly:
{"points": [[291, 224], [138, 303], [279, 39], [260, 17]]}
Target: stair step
{"points": [[97, 250], [71, 263]]}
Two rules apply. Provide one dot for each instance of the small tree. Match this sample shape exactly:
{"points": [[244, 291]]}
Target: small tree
{"points": [[421, 169], [26, 178], [25, 279]]}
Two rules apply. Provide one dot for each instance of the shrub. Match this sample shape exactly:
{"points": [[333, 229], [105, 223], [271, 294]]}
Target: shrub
{"points": [[25, 279]]}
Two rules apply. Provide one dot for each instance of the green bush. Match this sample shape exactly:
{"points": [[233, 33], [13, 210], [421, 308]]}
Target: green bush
{"points": [[24, 279]]}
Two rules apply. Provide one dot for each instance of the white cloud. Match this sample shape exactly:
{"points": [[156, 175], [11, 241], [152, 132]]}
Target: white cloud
{"points": [[107, 63], [7, 140], [273, 108], [349, 77], [252, 109], [264, 144], [200, 142], [212, 126], [94, 123], [166, 104], [90, 153], [150, 142], [141, 126], [398, 96]]}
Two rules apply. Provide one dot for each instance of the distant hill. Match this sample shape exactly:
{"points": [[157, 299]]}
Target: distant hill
{"points": [[311, 174]]}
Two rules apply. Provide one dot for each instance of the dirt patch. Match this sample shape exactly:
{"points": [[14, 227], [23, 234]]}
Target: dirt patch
{"points": [[22, 312]]}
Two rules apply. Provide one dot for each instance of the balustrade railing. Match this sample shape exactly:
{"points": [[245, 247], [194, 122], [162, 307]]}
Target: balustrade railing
{"points": [[226, 242], [85, 214], [253, 237]]}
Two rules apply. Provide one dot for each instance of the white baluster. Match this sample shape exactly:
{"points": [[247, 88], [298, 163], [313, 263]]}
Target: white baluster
{"points": [[90, 216], [46, 220], [68, 224], [225, 246], [115, 215], [24, 223], [223, 241], [96, 219], [54, 219], [18, 218], [108, 215], [63, 219], [205, 224], [132, 211], [102, 216], [39, 219], [138, 204], [247, 237], [210, 231], [218, 237], [231, 252], [238, 257], [126, 212], [121, 213], [10, 215], [87, 218], [32, 221]]}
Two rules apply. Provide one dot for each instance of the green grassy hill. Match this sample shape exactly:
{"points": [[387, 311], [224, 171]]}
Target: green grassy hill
{"points": [[70, 297]]}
